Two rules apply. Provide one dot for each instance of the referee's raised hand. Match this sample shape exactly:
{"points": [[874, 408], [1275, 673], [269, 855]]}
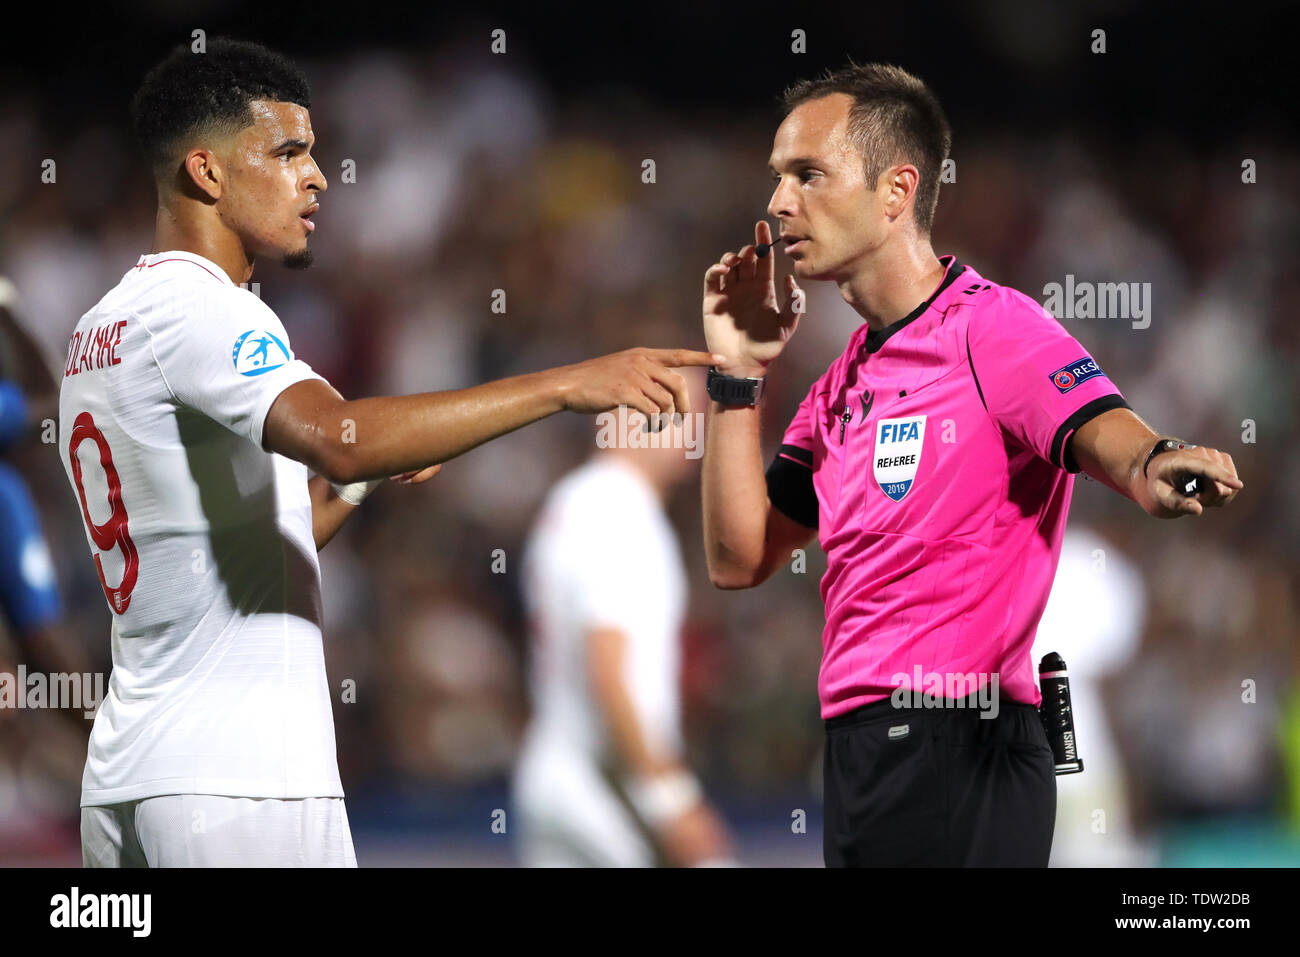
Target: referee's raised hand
{"points": [[641, 379], [742, 318]]}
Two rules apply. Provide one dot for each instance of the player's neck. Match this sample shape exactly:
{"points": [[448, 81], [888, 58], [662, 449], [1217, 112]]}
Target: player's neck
{"points": [[214, 243], [892, 283]]}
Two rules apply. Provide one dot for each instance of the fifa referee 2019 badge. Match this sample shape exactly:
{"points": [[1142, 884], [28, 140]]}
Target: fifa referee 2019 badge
{"points": [[1080, 370], [898, 454]]}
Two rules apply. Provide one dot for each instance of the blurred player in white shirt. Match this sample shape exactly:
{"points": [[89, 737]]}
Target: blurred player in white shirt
{"points": [[601, 779], [187, 428], [1094, 619]]}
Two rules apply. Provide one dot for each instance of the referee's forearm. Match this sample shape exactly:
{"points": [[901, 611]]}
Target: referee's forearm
{"points": [[734, 493], [1111, 448], [389, 435]]}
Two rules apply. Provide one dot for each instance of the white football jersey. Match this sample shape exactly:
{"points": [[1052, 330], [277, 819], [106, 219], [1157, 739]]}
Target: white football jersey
{"points": [[203, 542], [603, 554]]}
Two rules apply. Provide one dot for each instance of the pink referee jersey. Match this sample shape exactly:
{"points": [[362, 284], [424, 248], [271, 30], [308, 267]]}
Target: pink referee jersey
{"points": [[933, 457]]}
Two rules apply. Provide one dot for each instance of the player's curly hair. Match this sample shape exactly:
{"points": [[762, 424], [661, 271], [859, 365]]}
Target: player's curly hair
{"points": [[895, 118], [188, 93]]}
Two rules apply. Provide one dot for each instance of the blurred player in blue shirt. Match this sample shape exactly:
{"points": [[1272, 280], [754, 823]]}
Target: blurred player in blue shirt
{"points": [[29, 593]]}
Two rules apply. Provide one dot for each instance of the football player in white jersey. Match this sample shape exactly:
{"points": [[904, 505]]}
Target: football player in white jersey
{"points": [[1094, 574], [601, 778], [188, 429]]}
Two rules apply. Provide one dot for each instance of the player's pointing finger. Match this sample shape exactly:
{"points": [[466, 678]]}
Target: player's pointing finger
{"points": [[683, 357], [676, 384]]}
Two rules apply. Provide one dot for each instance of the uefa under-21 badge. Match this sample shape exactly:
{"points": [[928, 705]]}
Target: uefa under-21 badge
{"points": [[257, 351], [1080, 370], [898, 453]]}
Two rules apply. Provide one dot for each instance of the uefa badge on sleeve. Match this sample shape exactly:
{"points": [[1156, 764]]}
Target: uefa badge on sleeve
{"points": [[898, 453], [258, 351], [1080, 370]]}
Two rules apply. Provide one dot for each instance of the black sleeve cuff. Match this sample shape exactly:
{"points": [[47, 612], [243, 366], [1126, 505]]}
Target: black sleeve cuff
{"points": [[790, 485], [1062, 455]]}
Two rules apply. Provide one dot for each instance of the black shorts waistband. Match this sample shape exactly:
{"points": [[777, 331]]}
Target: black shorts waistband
{"points": [[885, 708]]}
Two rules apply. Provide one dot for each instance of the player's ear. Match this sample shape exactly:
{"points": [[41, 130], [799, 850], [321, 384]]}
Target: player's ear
{"points": [[202, 174]]}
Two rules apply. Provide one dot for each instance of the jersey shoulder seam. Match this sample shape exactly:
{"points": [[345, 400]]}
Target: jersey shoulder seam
{"points": [[154, 354]]}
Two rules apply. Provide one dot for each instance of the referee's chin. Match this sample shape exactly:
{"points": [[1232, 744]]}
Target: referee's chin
{"points": [[803, 269]]}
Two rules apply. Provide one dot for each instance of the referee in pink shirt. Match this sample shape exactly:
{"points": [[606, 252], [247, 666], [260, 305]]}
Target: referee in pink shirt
{"points": [[934, 460]]}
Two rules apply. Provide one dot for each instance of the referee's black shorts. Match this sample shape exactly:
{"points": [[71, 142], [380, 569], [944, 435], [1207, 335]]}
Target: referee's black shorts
{"points": [[938, 787]]}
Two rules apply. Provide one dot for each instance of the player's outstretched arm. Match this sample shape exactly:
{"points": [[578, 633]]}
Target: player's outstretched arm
{"points": [[1113, 446], [354, 441]]}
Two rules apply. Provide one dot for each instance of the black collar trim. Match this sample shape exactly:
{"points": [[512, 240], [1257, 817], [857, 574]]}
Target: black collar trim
{"points": [[878, 337]]}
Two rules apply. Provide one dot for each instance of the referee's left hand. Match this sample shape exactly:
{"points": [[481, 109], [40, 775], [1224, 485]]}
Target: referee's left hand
{"points": [[1207, 463]]}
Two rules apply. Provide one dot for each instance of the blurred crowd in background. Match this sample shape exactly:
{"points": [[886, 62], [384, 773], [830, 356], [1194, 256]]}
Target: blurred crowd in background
{"points": [[472, 176]]}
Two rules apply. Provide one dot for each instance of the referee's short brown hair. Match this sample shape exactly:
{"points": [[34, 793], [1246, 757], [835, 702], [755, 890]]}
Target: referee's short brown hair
{"points": [[895, 118]]}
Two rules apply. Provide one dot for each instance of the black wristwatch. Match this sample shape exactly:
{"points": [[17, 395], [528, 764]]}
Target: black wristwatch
{"points": [[1164, 445], [732, 390]]}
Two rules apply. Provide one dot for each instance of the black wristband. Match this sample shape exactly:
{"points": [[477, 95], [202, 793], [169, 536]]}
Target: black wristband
{"points": [[733, 391], [1164, 445]]}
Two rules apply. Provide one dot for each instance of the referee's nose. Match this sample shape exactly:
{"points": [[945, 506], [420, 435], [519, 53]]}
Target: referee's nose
{"points": [[781, 205]]}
